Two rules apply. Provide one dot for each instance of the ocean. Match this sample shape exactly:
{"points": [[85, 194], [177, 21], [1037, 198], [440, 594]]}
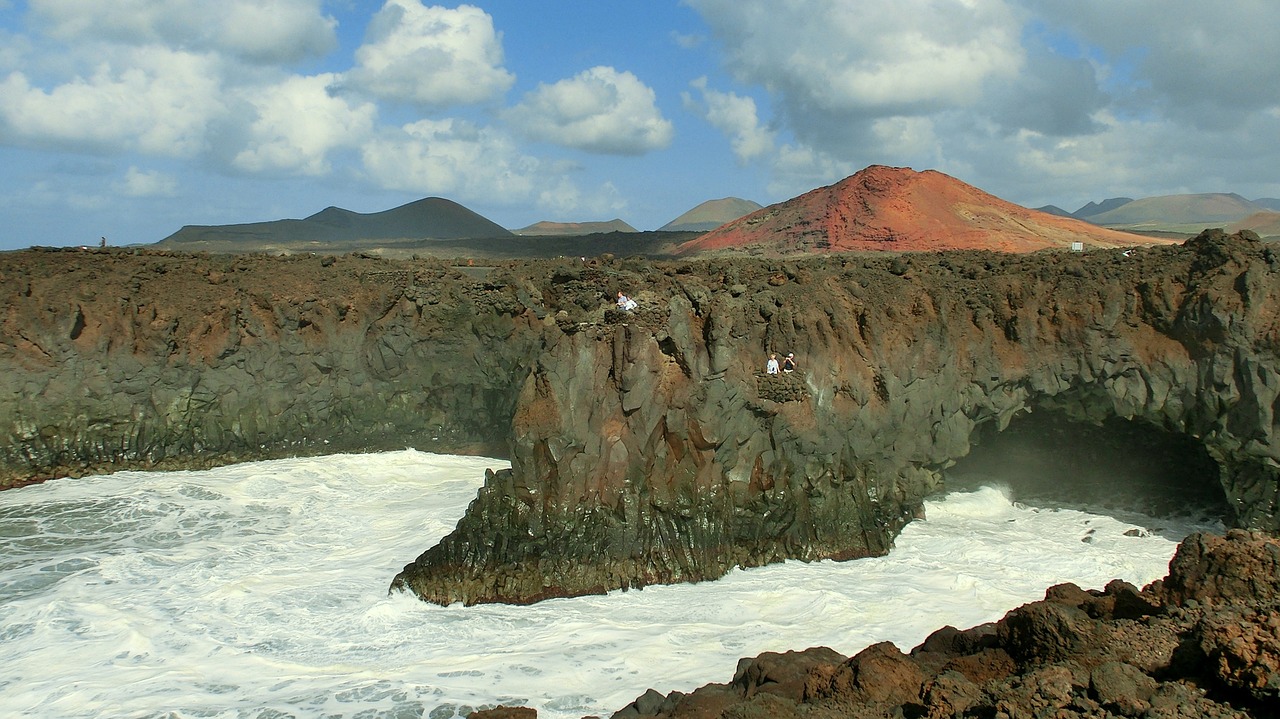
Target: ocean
{"points": [[259, 591]]}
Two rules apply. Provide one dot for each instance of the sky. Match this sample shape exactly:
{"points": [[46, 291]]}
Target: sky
{"points": [[128, 119]]}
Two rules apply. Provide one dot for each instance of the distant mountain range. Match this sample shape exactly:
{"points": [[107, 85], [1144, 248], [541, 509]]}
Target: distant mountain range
{"points": [[432, 218], [435, 225], [554, 229], [879, 208], [711, 214], [899, 209], [1185, 214]]}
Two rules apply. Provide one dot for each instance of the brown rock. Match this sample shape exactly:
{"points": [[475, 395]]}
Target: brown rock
{"points": [[1045, 631], [883, 674], [787, 674], [1239, 567], [1122, 688]]}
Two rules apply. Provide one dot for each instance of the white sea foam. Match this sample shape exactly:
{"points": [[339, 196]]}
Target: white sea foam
{"points": [[259, 590]]}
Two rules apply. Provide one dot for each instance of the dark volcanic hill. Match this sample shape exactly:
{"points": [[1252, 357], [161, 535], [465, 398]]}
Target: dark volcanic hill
{"points": [[899, 209], [1097, 208], [1054, 210], [432, 218], [711, 214]]}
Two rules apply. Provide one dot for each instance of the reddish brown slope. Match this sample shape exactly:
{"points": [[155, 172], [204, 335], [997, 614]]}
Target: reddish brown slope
{"points": [[898, 209], [1266, 224]]}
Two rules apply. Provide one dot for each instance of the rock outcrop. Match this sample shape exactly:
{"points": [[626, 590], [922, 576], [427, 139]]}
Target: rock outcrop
{"points": [[644, 449], [116, 358], [647, 446], [1204, 642]]}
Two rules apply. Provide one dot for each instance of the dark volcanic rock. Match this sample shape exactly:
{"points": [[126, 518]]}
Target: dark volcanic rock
{"points": [[1183, 659], [647, 446], [151, 359], [650, 450]]}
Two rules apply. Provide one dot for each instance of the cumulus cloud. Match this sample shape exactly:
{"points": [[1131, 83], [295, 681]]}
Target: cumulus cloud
{"points": [[1209, 62], [153, 100], [856, 83], [600, 110], [298, 122], [146, 183], [562, 198], [430, 56], [277, 31], [799, 168], [451, 157], [1052, 94], [866, 60], [734, 115], [469, 163]]}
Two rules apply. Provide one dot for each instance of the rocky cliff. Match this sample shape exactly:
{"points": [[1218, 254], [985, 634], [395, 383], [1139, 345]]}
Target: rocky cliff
{"points": [[647, 446], [119, 358]]}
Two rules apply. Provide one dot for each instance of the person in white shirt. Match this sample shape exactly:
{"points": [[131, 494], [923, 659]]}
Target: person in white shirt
{"points": [[772, 366]]}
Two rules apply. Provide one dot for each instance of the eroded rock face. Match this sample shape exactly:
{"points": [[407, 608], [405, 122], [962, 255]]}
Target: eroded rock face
{"points": [[646, 446], [1118, 652], [115, 359], [649, 450]]}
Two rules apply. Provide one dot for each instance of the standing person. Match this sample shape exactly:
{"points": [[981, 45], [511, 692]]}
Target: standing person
{"points": [[771, 367], [789, 363]]}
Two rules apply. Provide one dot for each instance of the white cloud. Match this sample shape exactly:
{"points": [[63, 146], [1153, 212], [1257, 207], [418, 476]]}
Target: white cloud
{"points": [[154, 101], [905, 136], [867, 59], [452, 157], [563, 199], [298, 122], [1212, 62], [430, 56], [473, 164], [735, 116], [276, 31], [798, 169], [599, 110], [855, 83], [140, 183]]}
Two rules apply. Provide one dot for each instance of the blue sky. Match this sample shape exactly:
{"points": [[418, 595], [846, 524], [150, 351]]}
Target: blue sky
{"points": [[131, 118]]}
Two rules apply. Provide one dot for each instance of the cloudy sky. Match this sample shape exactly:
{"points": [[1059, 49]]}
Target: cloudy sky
{"points": [[130, 118]]}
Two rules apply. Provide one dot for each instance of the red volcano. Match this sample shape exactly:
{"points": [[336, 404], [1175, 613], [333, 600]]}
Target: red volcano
{"points": [[900, 210]]}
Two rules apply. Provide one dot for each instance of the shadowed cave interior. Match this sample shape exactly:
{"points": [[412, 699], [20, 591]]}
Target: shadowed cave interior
{"points": [[1047, 459]]}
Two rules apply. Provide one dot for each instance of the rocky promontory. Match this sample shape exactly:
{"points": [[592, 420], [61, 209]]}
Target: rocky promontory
{"points": [[646, 446], [651, 448]]}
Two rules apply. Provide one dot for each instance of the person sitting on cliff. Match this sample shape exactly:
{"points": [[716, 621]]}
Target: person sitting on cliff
{"points": [[789, 363], [626, 304], [771, 367]]}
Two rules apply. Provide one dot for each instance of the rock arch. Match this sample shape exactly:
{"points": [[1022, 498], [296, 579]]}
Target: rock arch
{"points": [[647, 453]]}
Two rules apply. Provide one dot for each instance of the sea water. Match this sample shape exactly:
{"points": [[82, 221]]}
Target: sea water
{"points": [[260, 590]]}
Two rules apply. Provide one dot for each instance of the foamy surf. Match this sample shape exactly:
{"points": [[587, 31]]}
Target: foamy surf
{"points": [[260, 588]]}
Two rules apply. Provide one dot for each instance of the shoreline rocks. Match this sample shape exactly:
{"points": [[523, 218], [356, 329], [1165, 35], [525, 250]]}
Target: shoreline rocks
{"points": [[1203, 642]]}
